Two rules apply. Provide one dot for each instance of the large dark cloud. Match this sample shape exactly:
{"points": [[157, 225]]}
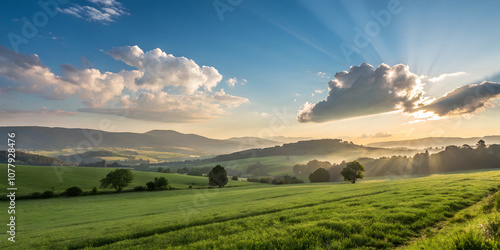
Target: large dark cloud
{"points": [[365, 90], [465, 99]]}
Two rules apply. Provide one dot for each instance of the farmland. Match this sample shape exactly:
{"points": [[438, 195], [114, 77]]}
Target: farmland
{"points": [[372, 214]]}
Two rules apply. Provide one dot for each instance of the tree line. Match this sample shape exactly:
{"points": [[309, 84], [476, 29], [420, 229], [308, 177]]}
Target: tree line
{"points": [[453, 158]]}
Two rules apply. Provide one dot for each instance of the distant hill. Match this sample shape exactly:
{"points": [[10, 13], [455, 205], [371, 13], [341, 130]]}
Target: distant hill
{"points": [[45, 138], [323, 147], [32, 159], [436, 142]]}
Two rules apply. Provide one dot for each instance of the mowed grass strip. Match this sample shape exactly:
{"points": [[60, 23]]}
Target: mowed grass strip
{"points": [[370, 214], [31, 179]]}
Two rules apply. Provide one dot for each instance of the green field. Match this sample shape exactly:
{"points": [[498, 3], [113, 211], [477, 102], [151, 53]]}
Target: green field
{"points": [[274, 165], [369, 214], [42, 178]]}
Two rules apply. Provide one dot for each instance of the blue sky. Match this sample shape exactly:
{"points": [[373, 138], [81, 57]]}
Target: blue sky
{"points": [[285, 50]]}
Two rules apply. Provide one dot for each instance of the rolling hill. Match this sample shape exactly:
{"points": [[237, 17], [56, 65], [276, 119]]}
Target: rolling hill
{"points": [[45, 138]]}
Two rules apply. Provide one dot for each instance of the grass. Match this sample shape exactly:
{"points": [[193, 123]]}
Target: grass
{"points": [[31, 179], [367, 215], [274, 165], [476, 227]]}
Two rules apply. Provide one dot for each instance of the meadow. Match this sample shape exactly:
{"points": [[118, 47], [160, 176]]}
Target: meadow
{"points": [[368, 215], [32, 179]]}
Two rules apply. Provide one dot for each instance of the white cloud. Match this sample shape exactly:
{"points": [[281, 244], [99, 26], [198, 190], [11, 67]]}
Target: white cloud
{"points": [[442, 76], [231, 82], [105, 11], [322, 74], [140, 92], [162, 70]]}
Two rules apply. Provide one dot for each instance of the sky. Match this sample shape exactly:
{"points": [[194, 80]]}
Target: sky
{"points": [[361, 71]]}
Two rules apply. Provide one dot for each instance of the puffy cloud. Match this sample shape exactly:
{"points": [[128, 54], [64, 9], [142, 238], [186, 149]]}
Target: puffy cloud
{"points": [[231, 81], [137, 94], [162, 70], [463, 100], [33, 75], [365, 90], [106, 11]]}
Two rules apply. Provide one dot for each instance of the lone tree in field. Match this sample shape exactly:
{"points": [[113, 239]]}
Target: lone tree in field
{"points": [[320, 175], [217, 176], [117, 179], [353, 171]]}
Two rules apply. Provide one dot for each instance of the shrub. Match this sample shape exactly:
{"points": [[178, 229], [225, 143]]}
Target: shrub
{"points": [[320, 175], [47, 194], [36, 195], [94, 190], [140, 188], [190, 187], [151, 186], [73, 191], [234, 178]]}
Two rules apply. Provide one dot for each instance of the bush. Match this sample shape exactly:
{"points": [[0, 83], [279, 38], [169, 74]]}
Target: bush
{"points": [[140, 188], [36, 195], [94, 190], [190, 187], [73, 191], [234, 178], [320, 175], [47, 194], [151, 186]]}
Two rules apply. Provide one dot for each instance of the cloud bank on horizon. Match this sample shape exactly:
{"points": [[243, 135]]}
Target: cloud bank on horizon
{"points": [[365, 90], [162, 88]]}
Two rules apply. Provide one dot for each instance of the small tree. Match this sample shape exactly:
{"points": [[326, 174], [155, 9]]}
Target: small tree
{"points": [[117, 179], [481, 144], [320, 175], [217, 176], [161, 183], [353, 171], [234, 178]]}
